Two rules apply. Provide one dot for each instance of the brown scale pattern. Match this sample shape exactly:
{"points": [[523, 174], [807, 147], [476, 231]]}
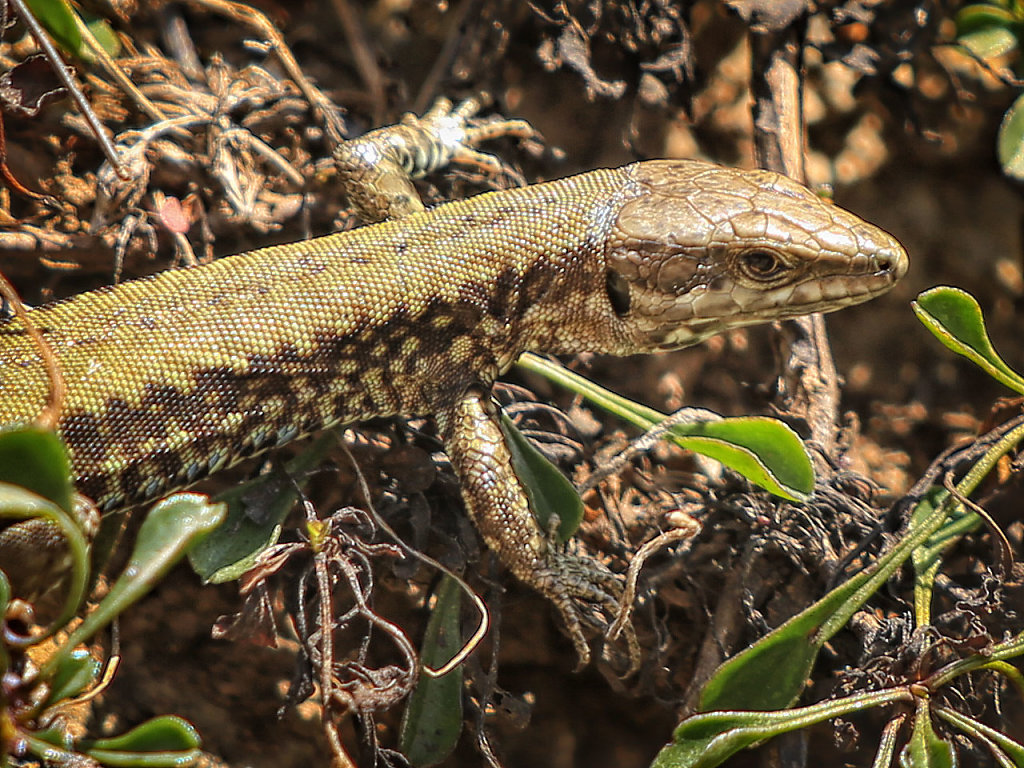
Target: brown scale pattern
{"points": [[173, 377], [339, 313]]}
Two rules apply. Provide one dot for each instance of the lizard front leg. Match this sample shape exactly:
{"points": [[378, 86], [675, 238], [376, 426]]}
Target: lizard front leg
{"points": [[498, 505]]}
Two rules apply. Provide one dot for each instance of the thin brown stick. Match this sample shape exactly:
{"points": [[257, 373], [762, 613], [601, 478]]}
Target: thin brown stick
{"points": [[323, 580], [812, 389], [324, 107], [681, 533], [63, 72], [1000, 543], [483, 625], [362, 56], [118, 74]]}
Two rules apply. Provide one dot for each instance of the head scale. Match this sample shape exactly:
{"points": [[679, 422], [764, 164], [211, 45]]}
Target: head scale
{"points": [[702, 249]]}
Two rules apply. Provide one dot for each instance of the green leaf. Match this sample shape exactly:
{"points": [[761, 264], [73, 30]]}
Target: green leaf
{"points": [[955, 319], [36, 459], [927, 558], [1011, 749], [21, 504], [233, 548], [992, 659], [167, 733], [708, 739], [549, 491], [163, 742], [763, 450], [256, 511], [103, 34], [749, 678], [433, 717], [987, 31], [172, 526], [886, 752], [989, 43], [59, 20], [977, 16], [1010, 143], [145, 760], [772, 672], [48, 745], [77, 672], [925, 749]]}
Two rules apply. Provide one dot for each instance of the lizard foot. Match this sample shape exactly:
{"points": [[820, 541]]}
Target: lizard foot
{"points": [[585, 592], [377, 168]]}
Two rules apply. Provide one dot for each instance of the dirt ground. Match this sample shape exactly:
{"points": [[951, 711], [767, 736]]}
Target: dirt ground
{"points": [[911, 148]]}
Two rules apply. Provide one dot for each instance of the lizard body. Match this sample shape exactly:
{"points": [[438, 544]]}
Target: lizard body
{"points": [[173, 377]]}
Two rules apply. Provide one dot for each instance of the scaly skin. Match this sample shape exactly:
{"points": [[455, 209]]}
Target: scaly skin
{"points": [[173, 377]]}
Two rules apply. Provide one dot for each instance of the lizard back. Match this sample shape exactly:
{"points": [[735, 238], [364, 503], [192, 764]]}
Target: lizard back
{"points": [[175, 376]]}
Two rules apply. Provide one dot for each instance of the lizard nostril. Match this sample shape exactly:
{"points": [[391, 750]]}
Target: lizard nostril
{"points": [[892, 262]]}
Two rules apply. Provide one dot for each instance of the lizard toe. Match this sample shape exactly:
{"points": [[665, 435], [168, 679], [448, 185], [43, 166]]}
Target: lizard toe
{"points": [[585, 593]]}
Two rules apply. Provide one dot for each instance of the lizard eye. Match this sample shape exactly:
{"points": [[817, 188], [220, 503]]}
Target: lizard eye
{"points": [[761, 265], [617, 289]]}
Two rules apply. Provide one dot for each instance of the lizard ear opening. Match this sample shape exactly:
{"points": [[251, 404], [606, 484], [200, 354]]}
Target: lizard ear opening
{"points": [[617, 289]]}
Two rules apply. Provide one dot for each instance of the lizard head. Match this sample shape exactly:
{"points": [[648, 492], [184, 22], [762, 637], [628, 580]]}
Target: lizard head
{"points": [[702, 249]]}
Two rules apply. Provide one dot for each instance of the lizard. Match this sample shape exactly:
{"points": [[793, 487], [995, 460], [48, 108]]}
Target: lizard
{"points": [[175, 376]]}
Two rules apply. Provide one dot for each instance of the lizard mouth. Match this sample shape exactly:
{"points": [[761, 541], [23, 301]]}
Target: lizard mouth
{"points": [[714, 312], [871, 275]]}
